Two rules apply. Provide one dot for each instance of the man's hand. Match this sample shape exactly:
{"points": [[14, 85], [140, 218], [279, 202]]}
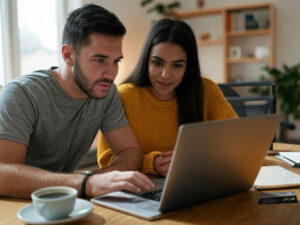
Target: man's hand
{"points": [[162, 163], [133, 181]]}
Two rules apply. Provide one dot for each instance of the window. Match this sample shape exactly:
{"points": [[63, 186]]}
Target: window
{"points": [[38, 34], [31, 35], [2, 78]]}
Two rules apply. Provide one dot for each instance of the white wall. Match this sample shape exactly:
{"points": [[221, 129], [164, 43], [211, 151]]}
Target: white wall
{"points": [[136, 20]]}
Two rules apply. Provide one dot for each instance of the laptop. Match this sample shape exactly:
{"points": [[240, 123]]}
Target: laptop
{"points": [[210, 160]]}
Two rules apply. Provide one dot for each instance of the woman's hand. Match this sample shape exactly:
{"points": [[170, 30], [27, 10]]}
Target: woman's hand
{"points": [[162, 163]]}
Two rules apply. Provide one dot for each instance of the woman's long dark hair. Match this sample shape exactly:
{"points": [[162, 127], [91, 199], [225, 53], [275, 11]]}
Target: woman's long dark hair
{"points": [[189, 92]]}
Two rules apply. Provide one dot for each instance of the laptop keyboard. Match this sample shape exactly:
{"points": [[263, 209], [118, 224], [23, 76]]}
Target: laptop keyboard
{"points": [[153, 195]]}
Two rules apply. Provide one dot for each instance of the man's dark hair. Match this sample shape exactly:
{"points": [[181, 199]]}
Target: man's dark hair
{"points": [[90, 19]]}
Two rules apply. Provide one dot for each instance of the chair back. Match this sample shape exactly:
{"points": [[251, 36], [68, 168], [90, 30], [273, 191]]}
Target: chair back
{"points": [[246, 104]]}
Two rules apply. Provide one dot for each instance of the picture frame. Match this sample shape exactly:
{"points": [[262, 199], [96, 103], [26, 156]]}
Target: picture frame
{"points": [[235, 52]]}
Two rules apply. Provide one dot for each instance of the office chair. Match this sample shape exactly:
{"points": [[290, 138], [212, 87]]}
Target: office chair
{"points": [[250, 105], [253, 105]]}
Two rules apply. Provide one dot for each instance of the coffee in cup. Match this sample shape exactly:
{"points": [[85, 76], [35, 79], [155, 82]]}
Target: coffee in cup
{"points": [[55, 202]]}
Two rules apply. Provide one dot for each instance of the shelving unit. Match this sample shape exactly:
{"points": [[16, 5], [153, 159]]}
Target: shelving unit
{"points": [[229, 36], [209, 42]]}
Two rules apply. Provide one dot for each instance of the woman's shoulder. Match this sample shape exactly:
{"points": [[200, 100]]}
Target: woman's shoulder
{"points": [[126, 87], [208, 84], [129, 90]]}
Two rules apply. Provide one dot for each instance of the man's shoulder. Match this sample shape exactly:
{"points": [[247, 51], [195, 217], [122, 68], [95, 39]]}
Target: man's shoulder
{"points": [[33, 78]]}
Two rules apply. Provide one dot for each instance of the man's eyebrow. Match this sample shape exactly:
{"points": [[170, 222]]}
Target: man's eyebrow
{"points": [[106, 56], [176, 61], [120, 57], [100, 56]]}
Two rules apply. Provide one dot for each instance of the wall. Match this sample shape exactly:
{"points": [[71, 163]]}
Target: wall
{"points": [[136, 20]]}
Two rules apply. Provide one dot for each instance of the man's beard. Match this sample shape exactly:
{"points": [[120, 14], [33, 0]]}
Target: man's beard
{"points": [[82, 82]]}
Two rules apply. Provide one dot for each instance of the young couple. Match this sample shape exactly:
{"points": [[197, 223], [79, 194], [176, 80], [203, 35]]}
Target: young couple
{"points": [[49, 119]]}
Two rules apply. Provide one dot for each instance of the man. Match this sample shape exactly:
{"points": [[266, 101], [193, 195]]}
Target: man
{"points": [[49, 119]]}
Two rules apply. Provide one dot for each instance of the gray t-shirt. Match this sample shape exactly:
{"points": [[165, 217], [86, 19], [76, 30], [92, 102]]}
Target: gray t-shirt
{"points": [[57, 129]]}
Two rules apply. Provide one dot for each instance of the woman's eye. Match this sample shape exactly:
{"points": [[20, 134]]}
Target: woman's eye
{"points": [[178, 65], [157, 63]]}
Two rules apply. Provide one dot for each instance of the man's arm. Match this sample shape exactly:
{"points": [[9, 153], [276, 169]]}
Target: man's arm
{"points": [[19, 180], [123, 143]]}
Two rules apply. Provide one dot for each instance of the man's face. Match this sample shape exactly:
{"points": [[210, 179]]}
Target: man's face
{"points": [[96, 65]]}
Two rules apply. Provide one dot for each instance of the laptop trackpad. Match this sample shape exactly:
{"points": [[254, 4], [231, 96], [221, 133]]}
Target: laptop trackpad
{"points": [[129, 203], [129, 200]]}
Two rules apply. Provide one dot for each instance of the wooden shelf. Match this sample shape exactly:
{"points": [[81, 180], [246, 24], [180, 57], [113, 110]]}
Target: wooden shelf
{"points": [[198, 12], [249, 7], [209, 42], [228, 37], [249, 33], [247, 60]]}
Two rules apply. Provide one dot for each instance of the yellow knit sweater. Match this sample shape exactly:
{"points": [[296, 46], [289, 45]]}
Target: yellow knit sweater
{"points": [[155, 122]]}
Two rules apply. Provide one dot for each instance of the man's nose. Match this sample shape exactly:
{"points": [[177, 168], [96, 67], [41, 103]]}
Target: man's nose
{"points": [[111, 72]]}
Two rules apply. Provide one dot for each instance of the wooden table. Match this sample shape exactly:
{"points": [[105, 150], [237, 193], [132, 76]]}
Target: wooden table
{"points": [[236, 209]]}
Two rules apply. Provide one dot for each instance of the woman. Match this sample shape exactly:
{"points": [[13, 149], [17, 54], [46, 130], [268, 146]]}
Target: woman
{"points": [[164, 91]]}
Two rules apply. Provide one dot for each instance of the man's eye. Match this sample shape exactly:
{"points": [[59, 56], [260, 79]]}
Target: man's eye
{"points": [[99, 60], [117, 61]]}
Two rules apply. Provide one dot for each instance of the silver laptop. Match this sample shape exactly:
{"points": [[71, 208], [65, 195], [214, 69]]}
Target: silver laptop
{"points": [[211, 160]]}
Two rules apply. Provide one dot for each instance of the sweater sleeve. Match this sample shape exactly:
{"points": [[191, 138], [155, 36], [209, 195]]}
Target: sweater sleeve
{"points": [[105, 157], [148, 166]]}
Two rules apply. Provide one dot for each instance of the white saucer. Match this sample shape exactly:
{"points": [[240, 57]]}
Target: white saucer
{"points": [[28, 214]]}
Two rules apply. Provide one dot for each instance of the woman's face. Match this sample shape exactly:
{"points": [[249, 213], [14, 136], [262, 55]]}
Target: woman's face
{"points": [[167, 64]]}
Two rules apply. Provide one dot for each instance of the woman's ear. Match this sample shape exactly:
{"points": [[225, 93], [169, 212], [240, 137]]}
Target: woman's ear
{"points": [[68, 54]]}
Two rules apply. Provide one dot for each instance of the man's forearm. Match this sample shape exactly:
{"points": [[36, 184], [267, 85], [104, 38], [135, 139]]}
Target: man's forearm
{"points": [[18, 180], [128, 159]]}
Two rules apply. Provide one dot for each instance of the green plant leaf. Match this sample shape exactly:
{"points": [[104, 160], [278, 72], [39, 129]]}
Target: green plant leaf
{"points": [[145, 2], [173, 5], [159, 8], [288, 88]]}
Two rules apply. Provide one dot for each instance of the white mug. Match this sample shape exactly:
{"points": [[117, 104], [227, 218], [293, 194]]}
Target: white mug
{"points": [[55, 202]]}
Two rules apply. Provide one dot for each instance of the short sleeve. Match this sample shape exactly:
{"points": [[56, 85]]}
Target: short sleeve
{"points": [[114, 115], [17, 114]]}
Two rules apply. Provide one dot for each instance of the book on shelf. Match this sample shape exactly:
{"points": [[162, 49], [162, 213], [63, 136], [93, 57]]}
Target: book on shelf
{"points": [[236, 21], [276, 177], [240, 20]]}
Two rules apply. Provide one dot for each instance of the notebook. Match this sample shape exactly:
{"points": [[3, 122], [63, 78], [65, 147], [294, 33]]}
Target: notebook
{"points": [[291, 158], [274, 177], [210, 160]]}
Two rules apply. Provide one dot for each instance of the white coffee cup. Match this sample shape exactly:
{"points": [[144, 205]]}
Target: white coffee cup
{"points": [[55, 202]]}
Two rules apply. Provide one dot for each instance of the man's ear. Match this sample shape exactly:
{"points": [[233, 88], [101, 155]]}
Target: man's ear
{"points": [[68, 54]]}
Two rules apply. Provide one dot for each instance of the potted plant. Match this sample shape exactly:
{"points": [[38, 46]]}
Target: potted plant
{"points": [[288, 92], [160, 8]]}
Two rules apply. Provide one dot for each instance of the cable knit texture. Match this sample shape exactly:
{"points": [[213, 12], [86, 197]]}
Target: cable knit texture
{"points": [[155, 122]]}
